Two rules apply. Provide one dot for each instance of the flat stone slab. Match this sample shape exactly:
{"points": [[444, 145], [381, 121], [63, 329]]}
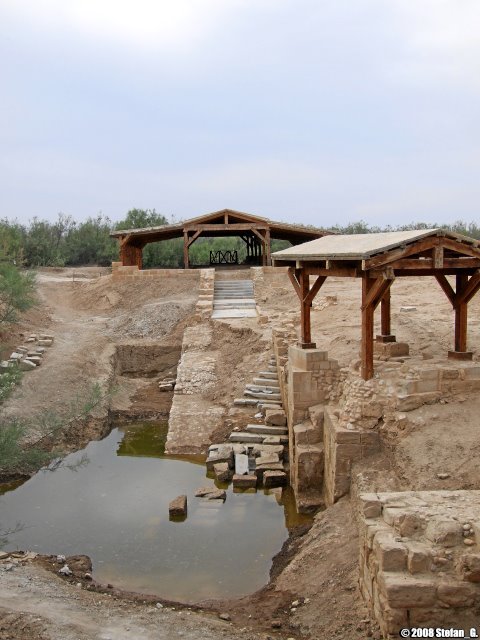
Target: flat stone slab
{"points": [[26, 365], [242, 436], [234, 313], [271, 375], [272, 466], [265, 429], [266, 382], [211, 493], [178, 506], [261, 395], [274, 479], [267, 458], [241, 464], [245, 402], [245, 482], [265, 449]]}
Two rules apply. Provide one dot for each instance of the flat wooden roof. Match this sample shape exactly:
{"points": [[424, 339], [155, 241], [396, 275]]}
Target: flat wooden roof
{"points": [[363, 245]]}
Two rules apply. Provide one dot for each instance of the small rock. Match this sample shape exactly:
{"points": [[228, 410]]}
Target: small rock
{"points": [[178, 506], [276, 624], [466, 527], [159, 605], [88, 576], [443, 476], [65, 570], [296, 603], [61, 559], [469, 542], [79, 585], [224, 616]]}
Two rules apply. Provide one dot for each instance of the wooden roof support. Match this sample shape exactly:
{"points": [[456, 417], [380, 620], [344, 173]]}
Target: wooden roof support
{"points": [[373, 291], [186, 259], [301, 283]]}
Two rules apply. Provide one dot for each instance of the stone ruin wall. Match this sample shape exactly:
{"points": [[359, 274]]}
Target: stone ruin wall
{"points": [[420, 559], [120, 272]]}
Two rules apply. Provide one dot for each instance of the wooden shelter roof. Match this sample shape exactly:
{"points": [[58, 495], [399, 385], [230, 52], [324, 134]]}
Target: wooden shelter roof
{"points": [[366, 245], [222, 223]]}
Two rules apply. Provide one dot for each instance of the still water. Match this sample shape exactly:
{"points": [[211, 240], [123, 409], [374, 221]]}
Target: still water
{"points": [[114, 508]]}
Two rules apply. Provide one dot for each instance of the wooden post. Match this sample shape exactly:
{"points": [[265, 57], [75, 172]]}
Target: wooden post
{"points": [[268, 258], [305, 325], [461, 318], [386, 335], [186, 262], [367, 329], [139, 257]]}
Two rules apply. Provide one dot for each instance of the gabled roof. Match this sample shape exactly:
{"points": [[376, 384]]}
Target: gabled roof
{"points": [[281, 230], [364, 245]]}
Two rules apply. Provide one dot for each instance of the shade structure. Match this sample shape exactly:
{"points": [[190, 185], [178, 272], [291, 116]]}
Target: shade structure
{"points": [[257, 233], [378, 259]]}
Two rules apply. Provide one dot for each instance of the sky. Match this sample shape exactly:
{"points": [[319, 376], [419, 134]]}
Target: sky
{"points": [[320, 112]]}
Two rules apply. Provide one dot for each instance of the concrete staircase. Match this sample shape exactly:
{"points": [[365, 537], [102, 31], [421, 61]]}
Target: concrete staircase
{"points": [[234, 299]]}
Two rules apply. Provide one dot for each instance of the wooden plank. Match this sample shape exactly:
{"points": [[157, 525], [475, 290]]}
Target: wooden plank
{"points": [[428, 263], [461, 247], [446, 286], [322, 271]]}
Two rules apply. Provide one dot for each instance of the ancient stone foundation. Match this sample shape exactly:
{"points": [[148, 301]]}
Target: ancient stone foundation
{"points": [[420, 559]]}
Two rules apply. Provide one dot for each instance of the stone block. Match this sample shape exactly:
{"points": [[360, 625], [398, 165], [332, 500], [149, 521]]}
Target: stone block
{"points": [[26, 365], [410, 524], [403, 591], [391, 555], [306, 433], [222, 472], [447, 533], [306, 359], [316, 415], [275, 417], [211, 493], [274, 479], [371, 505], [469, 567], [458, 594], [346, 436], [419, 558], [245, 482], [178, 506]]}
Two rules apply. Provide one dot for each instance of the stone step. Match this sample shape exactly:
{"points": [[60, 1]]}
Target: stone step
{"points": [[271, 375], [218, 304], [245, 402], [267, 430], [234, 312], [265, 388], [271, 384], [244, 437], [261, 395]]}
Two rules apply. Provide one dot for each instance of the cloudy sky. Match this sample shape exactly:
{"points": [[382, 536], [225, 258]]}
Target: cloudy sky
{"points": [[316, 111]]}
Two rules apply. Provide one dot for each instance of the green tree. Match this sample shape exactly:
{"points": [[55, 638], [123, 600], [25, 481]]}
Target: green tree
{"points": [[17, 292]]}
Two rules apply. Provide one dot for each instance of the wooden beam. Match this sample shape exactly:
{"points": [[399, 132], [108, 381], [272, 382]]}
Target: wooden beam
{"points": [[386, 327], [305, 321], [268, 248], [461, 248], [186, 262], [376, 290], [294, 280], [438, 257], [470, 289], [258, 234], [194, 237], [461, 315], [402, 252], [317, 285], [428, 264], [446, 286], [367, 329], [225, 227], [321, 271]]}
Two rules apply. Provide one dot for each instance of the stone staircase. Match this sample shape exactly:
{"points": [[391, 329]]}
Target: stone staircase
{"points": [[234, 299], [257, 454]]}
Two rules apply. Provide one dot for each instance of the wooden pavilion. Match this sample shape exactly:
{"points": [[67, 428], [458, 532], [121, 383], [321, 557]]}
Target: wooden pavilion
{"points": [[377, 259], [256, 232]]}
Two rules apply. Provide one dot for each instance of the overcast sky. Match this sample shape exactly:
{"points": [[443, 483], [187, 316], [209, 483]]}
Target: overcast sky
{"points": [[313, 111]]}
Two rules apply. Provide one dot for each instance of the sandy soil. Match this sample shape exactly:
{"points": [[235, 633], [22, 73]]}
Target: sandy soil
{"points": [[318, 568]]}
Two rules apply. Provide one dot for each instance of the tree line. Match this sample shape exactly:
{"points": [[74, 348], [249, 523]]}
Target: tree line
{"points": [[65, 242]]}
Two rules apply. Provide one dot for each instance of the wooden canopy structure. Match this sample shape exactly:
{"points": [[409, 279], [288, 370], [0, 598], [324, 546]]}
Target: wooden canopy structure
{"points": [[256, 232], [377, 259]]}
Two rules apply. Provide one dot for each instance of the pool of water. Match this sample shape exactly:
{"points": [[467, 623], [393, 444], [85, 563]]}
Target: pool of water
{"points": [[114, 508]]}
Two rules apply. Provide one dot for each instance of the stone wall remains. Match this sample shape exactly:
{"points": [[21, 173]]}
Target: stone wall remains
{"points": [[420, 559]]}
